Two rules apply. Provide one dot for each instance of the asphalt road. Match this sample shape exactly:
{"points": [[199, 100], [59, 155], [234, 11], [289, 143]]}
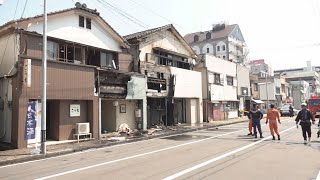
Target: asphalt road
{"points": [[219, 153]]}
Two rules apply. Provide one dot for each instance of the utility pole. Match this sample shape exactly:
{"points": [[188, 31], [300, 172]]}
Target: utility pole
{"points": [[267, 91], [44, 82]]}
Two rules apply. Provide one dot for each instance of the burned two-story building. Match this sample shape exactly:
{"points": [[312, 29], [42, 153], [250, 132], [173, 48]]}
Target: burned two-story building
{"points": [[173, 88], [88, 77]]}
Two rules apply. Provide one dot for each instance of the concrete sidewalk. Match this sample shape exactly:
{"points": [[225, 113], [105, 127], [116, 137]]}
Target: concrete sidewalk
{"points": [[22, 155]]}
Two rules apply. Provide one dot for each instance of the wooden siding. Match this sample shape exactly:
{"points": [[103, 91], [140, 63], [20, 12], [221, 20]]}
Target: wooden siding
{"points": [[65, 82], [125, 62]]}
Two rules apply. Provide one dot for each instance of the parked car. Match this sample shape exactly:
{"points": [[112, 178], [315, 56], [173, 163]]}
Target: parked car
{"points": [[284, 111]]}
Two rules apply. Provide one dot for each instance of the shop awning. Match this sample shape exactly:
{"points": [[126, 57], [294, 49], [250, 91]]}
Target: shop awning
{"points": [[257, 101]]}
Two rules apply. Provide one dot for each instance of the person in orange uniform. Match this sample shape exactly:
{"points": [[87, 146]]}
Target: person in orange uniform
{"points": [[272, 117]]}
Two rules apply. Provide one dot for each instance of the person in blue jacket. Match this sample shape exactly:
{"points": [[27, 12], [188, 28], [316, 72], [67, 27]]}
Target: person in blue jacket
{"points": [[256, 115]]}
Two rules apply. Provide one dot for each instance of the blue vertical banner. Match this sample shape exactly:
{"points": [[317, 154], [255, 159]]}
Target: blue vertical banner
{"points": [[31, 122]]}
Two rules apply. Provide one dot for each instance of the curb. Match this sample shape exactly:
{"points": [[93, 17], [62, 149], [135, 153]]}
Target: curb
{"points": [[101, 145]]}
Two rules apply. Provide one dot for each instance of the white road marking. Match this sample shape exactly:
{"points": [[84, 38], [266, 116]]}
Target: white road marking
{"points": [[91, 150], [219, 157], [136, 156], [95, 149], [318, 177]]}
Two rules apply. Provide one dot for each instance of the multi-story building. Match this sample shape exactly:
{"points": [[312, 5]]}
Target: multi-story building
{"points": [[86, 65], [271, 92], [260, 68], [223, 41], [309, 74], [173, 88], [219, 87]]}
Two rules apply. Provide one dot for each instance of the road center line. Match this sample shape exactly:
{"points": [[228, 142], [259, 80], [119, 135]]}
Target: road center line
{"points": [[136, 156], [220, 157]]}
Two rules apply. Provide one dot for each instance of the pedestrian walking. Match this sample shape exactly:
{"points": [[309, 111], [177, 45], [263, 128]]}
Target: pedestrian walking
{"points": [[291, 110], [304, 118], [255, 116], [272, 117]]}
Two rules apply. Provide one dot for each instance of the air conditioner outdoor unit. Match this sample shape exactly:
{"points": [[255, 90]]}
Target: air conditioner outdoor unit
{"points": [[82, 128]]}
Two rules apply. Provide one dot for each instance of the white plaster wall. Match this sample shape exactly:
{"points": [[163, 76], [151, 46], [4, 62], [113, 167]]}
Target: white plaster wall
{"points": [[223, 93], [210, 46], [271, 91], [194, 113], [67, 27], [188, 83], [224, 68], [129, 116], [9, 54], [196, 49], [243, 78], [220, 66], [137, 88], [164, 39]]}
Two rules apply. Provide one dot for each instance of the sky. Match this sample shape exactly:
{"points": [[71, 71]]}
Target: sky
{"points": [[285, 33]]}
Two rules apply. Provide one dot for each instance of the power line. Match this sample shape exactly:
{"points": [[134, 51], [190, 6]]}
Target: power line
{"points": [[24, 8], [117, 18], [124, 14], [154, 12]]}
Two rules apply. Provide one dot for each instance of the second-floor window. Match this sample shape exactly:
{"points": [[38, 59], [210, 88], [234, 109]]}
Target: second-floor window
{"points": [[278, 90], [88, 23], [217, 79], [81, 21], [229, 80], [84, 21], [218, 48], [208, 50], [167, 59], [223, 47]]}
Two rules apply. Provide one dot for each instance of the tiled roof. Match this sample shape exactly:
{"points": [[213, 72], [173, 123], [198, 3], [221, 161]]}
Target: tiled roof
{"points": [[214, 34], [147, 32], [155, 30], [92, 11]]}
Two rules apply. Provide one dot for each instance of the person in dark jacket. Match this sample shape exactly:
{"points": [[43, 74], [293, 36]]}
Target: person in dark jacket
{"points": [[291, 111], [255, 116], [303, 118]]}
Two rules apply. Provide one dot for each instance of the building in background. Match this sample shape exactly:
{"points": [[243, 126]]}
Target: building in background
{"points": [[222, 41], [219, 87], [309, 74], [260, 68]]}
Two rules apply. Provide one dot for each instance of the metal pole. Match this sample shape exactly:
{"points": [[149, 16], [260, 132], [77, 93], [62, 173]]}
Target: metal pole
{"points": [[100, 128], [166, 112], [267, 91], [44, 82]]}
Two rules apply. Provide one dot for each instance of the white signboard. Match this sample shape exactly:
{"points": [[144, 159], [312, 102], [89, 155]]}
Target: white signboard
{"points": [[74, 110]]}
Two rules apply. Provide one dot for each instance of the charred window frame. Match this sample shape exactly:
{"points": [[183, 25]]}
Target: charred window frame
{"points": [[167, 59]]}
